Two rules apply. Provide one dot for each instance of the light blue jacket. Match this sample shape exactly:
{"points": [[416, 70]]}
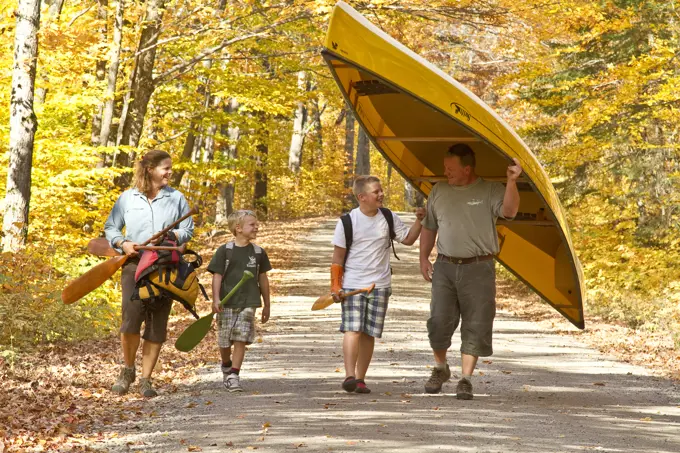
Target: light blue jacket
{"points": [[142, 219]]}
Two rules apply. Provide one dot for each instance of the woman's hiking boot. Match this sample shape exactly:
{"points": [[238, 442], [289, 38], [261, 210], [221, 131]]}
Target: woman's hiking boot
{"points": [[125, 378], [146, 389], [437, 379]]}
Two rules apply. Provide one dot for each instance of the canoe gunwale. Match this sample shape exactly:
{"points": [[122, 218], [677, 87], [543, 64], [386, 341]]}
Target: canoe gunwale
{"points": [[328, 56]]}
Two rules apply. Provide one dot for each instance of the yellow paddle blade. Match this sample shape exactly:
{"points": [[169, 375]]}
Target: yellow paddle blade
{"points": [[92, 279]]}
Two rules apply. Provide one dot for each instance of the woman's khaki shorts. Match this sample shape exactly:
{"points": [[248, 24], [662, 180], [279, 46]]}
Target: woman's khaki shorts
{"points": [[463, 293], [155, 323]]}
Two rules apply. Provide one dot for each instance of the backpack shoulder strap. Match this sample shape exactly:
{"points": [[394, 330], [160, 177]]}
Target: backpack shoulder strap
{"points": [[229, 249], [390, 221], [258, 259], [390, 224], [349, 233]]}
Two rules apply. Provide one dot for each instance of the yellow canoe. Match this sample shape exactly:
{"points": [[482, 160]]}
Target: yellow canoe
{"points": [[413, 112]]}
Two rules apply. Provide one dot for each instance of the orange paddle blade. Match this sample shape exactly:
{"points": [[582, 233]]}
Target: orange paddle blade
{"points": [[324, 301], [92, 279], [101, 247]]}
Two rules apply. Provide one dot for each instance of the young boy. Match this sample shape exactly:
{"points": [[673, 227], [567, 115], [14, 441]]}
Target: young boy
{"points": [[236, 320], [367, 262]]}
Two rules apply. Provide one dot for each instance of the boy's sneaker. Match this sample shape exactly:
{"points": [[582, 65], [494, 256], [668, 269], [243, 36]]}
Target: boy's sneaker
{"points": [[361, 387], [437, 379], [226, 371], [146, 389], [233, 383], [464, 390], [349, 384], [125, 378]]}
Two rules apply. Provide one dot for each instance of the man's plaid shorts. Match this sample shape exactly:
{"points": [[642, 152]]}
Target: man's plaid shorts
{"points": [[235, 324], [365, 312]]}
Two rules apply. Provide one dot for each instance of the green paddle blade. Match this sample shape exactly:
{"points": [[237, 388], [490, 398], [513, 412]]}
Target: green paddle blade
{"points": [[194, 333]]}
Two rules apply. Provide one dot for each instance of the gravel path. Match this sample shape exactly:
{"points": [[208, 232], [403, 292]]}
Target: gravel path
{"points": [[540, 392]]}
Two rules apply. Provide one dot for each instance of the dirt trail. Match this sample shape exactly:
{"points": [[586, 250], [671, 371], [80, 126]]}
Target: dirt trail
{"points": [[540, 392]]}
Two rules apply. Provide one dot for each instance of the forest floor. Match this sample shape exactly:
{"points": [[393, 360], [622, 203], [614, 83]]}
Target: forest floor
{"points": [[548, 387]]}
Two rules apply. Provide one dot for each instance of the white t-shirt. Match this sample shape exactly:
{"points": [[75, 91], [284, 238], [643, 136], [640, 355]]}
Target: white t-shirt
{"points": [[368, 261]]}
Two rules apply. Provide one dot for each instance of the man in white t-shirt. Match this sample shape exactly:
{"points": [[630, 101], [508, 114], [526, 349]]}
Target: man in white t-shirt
{"points": [[367, 262]]}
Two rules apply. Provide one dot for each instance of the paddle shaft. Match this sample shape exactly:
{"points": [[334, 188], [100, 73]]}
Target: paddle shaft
{"points": [[247, 275], [167, 229], [94, 278]]}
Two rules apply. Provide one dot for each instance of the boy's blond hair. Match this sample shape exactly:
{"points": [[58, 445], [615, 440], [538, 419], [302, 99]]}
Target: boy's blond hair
{"points": [[360, 183], [236, 218]]}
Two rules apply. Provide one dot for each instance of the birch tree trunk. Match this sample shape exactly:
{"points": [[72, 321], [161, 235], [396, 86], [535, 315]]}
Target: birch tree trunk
{"points": [[298, 139], [363, 154], [22, 126], [100, 72]]}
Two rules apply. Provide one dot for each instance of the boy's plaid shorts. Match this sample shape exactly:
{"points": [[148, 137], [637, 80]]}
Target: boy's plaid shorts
{"points": [[235, 324], [365, 312]]}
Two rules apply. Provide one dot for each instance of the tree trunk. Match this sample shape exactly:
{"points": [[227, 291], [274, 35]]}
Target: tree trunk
{"points": [[298, 139], [349, 154], [260, 195], [363, 154], [22, 126], [412, 196], [225, 200], [100, 72], [187, 152], [142, 85], [111, 78]]}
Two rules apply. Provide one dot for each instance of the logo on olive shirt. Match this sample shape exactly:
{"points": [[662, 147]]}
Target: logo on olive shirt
{"points": [[475, 202], [251, 262]]}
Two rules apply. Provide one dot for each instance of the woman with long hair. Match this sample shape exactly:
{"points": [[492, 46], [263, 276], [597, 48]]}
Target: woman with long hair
{"points": [[146, 208]]}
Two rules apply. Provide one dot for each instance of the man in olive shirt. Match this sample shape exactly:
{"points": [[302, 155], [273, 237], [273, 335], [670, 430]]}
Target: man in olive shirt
{"points": [[461, 214]]}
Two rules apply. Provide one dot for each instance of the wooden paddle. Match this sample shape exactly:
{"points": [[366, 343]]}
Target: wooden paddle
{"points": [[193, 334], [324, 301], [102, 247], [94, 278]]}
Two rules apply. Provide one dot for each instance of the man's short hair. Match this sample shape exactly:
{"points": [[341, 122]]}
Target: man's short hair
{"points": [[360, 183], [237, 217], [464, 152]]}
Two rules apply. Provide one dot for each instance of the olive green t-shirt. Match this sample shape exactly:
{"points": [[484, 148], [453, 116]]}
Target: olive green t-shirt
{"points": [[465, 217], [242, 259]]}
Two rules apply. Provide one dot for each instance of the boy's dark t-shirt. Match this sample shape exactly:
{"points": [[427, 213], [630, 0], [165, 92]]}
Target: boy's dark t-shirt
{"points": [[242, 258]]}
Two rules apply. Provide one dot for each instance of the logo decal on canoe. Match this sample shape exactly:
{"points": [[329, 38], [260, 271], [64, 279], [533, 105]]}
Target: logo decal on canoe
{"points": [[460, 110], [335, 45]]}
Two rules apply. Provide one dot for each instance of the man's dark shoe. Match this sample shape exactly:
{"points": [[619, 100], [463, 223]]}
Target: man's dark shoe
{"points": [[464, 390], [349, 384], [437, 379], [146, 389], [125, 378]]}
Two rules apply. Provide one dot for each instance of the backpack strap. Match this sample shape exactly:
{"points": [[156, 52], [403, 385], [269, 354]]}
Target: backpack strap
{"points": [[390, 224], [230, 250], [349, 233]]}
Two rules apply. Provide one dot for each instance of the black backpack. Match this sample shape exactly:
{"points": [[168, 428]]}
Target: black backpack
{"points": [[347, 225]]}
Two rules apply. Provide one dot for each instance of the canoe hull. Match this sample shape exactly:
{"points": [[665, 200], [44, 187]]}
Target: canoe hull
{"points": [[413, 112]]}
